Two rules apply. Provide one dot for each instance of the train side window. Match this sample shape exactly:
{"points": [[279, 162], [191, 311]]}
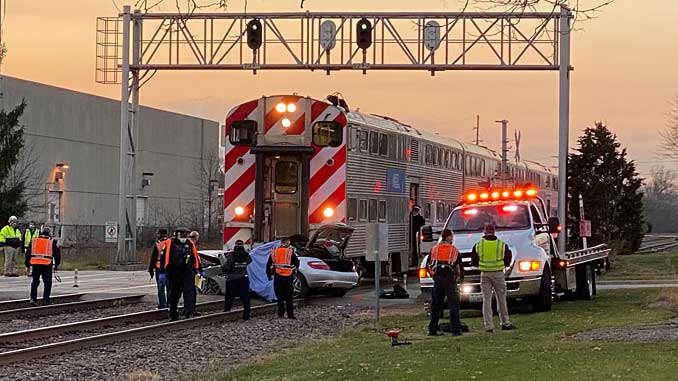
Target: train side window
{"points": [[352, 212], [427, 210], [382, 211], [372, 211], [328, 134], [468, 165], [286, 177], [352, 138], [482, 167], [383, 145], [362, 140], [428, 154], [362, 210], [243, 133], [374, 142], [440, 212], [446, 160], [400, 148]]}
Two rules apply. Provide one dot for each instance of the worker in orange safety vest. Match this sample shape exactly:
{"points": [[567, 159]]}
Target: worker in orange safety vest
{"points": [[444, 264], [41, 255], [281, 266], [154, 268]]}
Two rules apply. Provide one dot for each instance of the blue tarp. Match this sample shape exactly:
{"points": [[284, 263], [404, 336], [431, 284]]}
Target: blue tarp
{"points": [[256, 271]]}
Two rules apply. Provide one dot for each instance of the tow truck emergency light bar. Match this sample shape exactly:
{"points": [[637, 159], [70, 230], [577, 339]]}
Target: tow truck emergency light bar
{"points": [[516, 194]]}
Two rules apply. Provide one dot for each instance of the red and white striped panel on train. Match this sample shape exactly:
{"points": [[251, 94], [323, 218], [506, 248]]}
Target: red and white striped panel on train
{"points": [[279, 180]]}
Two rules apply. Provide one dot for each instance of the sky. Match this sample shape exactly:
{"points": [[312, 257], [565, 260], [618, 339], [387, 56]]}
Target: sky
{"points": [[624, 75]]}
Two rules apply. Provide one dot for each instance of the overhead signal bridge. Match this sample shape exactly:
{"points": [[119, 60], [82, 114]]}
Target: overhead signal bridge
{"points": [[435, 41]]}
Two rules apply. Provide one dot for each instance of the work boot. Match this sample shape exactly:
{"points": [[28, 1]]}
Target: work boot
{"points": [[33, 303], [509, 327]]}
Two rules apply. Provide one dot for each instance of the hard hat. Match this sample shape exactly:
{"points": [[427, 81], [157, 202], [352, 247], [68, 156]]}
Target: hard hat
{"points": [[13, 219]]}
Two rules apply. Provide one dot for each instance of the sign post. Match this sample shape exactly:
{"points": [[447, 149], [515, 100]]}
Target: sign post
{"points": [[584, 224], [377, 251]]}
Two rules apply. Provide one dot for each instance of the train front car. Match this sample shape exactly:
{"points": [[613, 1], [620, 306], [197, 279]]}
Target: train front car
{"points": [[284, 167]]}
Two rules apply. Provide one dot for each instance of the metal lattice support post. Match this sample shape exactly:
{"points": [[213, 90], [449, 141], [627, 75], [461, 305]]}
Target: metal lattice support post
{"points": [[563, 123], [133, 177], [124, 122]]}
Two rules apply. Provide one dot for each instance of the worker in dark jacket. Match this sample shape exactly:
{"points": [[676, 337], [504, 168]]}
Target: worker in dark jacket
{"points": [[445, 265], [417, 221], [281, 267], [492, 255], [237, 281], [180, 262], [154, 268], [40, 256]]}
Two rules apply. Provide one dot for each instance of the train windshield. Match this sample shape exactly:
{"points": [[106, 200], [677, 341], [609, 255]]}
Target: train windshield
{"points": [[473, 218]]}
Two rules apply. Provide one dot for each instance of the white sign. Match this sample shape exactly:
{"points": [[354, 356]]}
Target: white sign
{"points": [[111, 231], [328, 34], [432, 35], [377, 242], [585, 228]]}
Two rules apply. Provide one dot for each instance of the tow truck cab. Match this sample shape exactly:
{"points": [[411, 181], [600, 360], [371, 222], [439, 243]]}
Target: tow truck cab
{"points": [[522, 222]]}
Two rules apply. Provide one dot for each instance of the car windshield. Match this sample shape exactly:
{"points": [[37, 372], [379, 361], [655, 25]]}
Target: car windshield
{"points": [[473, 218]]}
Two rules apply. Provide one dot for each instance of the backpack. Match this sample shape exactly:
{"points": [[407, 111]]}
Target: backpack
{"points": [[180, 254]]}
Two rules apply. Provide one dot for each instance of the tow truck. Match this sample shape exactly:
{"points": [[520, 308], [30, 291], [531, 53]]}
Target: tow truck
{"points": [[537, 271]]}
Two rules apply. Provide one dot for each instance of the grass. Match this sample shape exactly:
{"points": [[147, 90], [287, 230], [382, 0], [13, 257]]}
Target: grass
{"points": [[644, 266], [540, 349]]}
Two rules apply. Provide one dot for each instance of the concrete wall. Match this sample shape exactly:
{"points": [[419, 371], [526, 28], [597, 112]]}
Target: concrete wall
{"points": [[82, 130]]}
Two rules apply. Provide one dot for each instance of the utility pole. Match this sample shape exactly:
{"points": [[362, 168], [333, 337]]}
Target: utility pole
{"points": [[563, 121], [504, 151]]}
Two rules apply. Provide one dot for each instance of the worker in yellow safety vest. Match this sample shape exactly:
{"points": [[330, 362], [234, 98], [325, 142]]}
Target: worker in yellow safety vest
{"points": [[30, 233], [444, 265], [492, 255], [41, 255], [10, 242], [281, 267]]}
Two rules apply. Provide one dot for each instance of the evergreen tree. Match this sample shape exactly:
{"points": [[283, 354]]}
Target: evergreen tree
{"points": [[609, 183], [12, 202]]}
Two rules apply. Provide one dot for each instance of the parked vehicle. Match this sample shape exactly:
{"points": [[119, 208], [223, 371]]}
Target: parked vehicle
{"points": [[537, 270], [323, 267]]}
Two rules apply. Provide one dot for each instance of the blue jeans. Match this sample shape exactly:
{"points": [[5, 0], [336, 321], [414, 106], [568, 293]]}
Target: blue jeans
{"points": [[162, 295]]}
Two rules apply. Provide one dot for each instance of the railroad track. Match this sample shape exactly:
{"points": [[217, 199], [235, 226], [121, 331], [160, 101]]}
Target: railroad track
{"points": [[25, 303], [83, 305], [123, 335]]}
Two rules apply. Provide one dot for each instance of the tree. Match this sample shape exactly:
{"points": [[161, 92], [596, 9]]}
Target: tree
{"points": [[12, 200], [669, 135], [610, 186], [662, 184], [661, 201], [208, 176]]}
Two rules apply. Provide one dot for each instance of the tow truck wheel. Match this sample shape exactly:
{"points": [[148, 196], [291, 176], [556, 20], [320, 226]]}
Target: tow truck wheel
{"points": [[542, 302], [585, 282]]}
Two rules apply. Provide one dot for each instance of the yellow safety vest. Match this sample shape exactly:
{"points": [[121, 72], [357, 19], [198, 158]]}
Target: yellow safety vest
{"points": [[491, 254]]}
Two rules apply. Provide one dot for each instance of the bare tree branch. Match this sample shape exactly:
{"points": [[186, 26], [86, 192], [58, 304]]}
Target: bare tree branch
{"points": [[669, 135]]}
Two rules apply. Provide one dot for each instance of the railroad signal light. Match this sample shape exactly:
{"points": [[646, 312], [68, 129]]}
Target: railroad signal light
{"points": [[364, 33], [254, 36]]}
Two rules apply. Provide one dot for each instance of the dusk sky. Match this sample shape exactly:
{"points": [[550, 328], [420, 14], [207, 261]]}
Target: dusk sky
{"points": [[625, 75]]}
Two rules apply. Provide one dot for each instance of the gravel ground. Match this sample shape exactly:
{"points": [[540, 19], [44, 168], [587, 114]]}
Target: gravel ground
{"points": [[43, 321], [188, 350], [663, 331]]}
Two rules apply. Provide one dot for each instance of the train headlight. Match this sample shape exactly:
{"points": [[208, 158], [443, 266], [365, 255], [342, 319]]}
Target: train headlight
{"points": [[286, 123], [239, 210], [291, 107], [280, 107], [328, 212]]}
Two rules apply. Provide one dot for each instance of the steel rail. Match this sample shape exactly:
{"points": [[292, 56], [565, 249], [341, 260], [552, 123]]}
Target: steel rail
{"points": [[25, 303], [134, 333], [69, 307], [88, 325]]}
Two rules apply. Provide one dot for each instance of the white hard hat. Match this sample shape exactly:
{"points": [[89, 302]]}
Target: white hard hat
{"points": [[13, 219]]}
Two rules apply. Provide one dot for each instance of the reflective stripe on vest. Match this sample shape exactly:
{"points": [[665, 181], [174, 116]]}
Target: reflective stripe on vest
{"points": [[41, 251], [282, 260], [490, 254], [160, 246], [443, 254]]}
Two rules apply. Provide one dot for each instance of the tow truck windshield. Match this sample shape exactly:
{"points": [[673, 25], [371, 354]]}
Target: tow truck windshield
{"points": [[473, 218]]}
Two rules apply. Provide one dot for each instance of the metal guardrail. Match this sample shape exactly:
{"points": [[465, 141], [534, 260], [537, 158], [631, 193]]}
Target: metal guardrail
{"points": [[599, 249], [69, 307]]}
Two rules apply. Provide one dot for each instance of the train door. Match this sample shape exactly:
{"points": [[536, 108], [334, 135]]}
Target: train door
{"points": [[284, 208], [415, 223]]}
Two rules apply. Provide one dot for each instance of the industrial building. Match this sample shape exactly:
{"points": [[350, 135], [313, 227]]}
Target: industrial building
{"points": [[71, 158]]}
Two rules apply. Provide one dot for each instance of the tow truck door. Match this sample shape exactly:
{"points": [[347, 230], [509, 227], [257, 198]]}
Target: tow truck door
{"points": [[542, 236]]}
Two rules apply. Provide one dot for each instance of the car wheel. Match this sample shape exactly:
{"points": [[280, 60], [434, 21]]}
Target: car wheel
{"points": [[542, 302], [210, 287], [585, 282], [300, 287], [337, 292]]}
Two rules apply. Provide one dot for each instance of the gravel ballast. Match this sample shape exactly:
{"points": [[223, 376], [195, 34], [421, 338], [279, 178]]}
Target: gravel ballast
{"points": [[171, 354], [662, 331]]}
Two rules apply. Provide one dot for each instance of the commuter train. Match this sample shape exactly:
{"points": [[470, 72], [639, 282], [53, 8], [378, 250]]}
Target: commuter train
{"points": [[293, 163]]}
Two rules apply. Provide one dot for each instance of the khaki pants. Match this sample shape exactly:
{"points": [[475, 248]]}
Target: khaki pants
{"points": [[494, 280], [10, 260]]}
